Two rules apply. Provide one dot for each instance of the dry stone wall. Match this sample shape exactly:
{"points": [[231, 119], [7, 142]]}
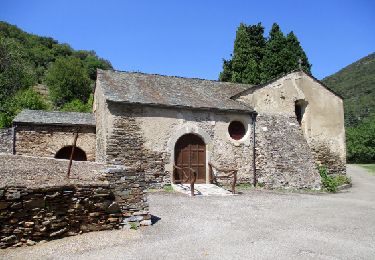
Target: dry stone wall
{"points": [[323, 155], [283, 157], [6, 140], [125, 145], [31, 211]]}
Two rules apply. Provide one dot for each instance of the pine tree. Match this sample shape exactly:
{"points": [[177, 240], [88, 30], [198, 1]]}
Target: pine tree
{"points": [[247, 54], [275, 57], [256, 60], [226, 74], [294, 52]]}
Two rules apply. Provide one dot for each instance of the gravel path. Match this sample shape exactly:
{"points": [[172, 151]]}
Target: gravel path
{"points": [[16, 170], [255, 225]]}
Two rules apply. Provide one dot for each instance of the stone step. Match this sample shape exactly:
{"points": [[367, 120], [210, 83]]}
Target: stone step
{"points": [[202, 190]]}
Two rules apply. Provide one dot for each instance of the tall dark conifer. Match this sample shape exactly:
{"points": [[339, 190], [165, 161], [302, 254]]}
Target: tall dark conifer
{"points": [[256, 60], [247, 54], [275, 57], [295, 53]]}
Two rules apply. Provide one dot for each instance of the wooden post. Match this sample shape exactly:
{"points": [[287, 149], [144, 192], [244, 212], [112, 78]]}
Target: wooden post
{"points": [[193, 176], [72, 153], [234, 182]]}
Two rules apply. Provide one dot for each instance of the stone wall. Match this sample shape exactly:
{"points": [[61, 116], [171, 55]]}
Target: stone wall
{"points": [[47, 140], [45, 204], [6, 140], [125, 145], [31, 215], [322, 123], [283, 157], [146, 136], [101, 112]]}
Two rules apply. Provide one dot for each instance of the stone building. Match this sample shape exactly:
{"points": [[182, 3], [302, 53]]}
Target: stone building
{"points": [[274, 134], [51, 134]]}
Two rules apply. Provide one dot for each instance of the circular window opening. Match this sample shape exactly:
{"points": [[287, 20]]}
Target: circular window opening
{"points": [[236, 130]]}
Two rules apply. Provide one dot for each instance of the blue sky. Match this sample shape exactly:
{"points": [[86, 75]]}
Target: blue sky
{"points": [[190, 38]]}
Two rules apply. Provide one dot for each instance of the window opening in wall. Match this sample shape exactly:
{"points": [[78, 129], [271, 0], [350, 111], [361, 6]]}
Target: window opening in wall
{"points": [[236, 130], [65, 152], [299, 108]]}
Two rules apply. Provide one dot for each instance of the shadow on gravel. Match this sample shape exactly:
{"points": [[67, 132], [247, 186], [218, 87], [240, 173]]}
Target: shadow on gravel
{"points": [[154, 219]]}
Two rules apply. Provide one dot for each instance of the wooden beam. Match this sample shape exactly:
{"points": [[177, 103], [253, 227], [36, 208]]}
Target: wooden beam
{"points": [[72, 153]]}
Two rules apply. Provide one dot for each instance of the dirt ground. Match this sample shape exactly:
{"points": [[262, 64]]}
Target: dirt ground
{"points": [[253, 225]]}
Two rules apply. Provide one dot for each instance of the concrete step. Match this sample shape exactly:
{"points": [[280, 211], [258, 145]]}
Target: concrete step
{"points": [[202, 190]]}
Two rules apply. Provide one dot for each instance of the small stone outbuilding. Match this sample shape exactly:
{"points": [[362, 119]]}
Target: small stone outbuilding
{"points": [[51, 134]]}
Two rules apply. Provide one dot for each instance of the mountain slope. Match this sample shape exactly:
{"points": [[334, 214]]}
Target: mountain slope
{"points": [[356, 83], [33, 66]]}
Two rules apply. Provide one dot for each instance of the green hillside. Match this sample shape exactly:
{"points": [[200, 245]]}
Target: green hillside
{"points": [[29, 63], [356, 83]]}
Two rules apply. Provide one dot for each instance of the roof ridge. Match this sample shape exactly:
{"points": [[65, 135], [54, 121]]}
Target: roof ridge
{"points": [[177, 77]]}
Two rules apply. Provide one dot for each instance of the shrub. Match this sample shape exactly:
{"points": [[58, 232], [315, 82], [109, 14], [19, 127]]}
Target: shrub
{"points": [[67, 80], [361, 142], [331, 183], [23, 99], [77, 105]]}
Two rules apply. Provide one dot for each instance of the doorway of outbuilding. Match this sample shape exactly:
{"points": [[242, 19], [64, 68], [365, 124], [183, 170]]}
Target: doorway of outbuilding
{"points": [[65, 152]]}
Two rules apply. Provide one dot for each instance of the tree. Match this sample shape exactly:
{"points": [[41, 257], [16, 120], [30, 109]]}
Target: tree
{"points": [[77, 105], [257, 60], [247, 55], [67, 79], [24, 99], [275, 57], [294, 54], [226, 74], [361, 142], [92, 63], [15, 71]]}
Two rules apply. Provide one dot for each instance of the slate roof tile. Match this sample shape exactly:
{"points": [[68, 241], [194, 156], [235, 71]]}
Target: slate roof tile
{"points": [[152, 89], [54, 118]]}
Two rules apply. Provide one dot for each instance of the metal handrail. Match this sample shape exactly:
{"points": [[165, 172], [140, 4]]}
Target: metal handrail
{"points": [[229, 173], [192, 177]]}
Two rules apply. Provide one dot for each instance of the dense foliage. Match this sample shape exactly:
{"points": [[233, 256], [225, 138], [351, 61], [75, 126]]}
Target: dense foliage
{"points": [[67, 80], [25, 98], [361, 142], [27, 59], [356, 83], [257, 59], [77, 105]]}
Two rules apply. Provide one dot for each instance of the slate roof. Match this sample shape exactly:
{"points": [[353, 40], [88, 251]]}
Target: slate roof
{"points": [[170, 91], [54, 118]]}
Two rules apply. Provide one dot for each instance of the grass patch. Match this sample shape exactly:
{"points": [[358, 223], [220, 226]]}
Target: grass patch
{"points": [[168, 188], [244, 186], [369, 167]]}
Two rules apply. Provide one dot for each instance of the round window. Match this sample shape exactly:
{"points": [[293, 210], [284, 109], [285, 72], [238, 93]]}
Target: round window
{"points": [[236, 130]]}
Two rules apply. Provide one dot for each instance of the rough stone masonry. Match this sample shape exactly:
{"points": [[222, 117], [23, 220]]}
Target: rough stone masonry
{"points": [[38, 202]]}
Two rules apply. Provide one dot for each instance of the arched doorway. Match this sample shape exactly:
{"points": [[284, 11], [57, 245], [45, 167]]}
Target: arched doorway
{"points": [[190, 152], [65, 152]]}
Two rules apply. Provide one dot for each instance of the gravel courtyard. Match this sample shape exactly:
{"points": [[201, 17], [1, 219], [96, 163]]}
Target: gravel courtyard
{"points": [[253, 225]]}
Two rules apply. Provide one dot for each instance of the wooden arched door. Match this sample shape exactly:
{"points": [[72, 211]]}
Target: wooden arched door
{"points": [[190, 151]]}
